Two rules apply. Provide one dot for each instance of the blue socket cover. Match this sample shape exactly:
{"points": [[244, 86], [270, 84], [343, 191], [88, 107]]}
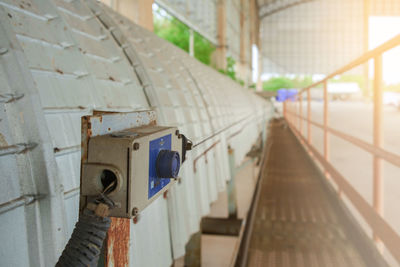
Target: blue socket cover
{"points": [[157, 145], [163, 164]]}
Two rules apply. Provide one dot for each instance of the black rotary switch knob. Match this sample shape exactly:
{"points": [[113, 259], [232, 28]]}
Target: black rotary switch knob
{"points": [[167, 164]]}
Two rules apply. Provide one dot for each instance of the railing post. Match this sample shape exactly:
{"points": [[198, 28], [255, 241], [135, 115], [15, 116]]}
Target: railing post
{"points": [[378, 141], [284, 109], [326, 123], [301, 113], [296, 112], [309, 116], [193, 250], [231, 190]]}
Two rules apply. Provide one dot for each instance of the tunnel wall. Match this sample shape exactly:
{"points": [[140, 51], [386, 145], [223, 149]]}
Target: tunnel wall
{"points": [[63, 59]]}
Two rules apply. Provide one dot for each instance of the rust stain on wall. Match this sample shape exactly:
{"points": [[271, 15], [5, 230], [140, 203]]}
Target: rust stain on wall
{"points": [[117, 247], [3, 141]]}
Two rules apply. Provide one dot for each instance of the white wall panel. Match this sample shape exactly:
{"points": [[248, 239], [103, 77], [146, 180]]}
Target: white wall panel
{"points": [[67, 64]]}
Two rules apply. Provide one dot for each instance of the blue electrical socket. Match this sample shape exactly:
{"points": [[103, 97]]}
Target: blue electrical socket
{"points": [[155, 183]]}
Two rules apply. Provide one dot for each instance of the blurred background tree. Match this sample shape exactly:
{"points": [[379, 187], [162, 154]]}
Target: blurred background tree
{"points": [[178, 33], [276, 83]]}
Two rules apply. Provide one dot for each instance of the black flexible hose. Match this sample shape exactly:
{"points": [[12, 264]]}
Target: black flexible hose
{"points": [[84, 246]]}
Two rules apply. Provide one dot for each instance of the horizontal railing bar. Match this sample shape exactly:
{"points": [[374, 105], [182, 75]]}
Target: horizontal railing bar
{"points": [[385, 232], [384, 154], [395, 41]]}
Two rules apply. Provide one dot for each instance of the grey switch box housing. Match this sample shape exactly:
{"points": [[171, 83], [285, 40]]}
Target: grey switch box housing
{"points": [[124, 162]]}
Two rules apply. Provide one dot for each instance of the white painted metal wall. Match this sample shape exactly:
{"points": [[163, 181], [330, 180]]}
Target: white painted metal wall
{"points": [[61, 59]]}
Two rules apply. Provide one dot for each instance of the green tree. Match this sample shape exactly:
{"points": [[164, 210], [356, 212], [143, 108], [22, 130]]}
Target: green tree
{"points": [[176, 32], [277, 83], [203, 49]]}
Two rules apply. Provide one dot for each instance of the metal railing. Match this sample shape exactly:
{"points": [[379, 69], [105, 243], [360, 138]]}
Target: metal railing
{"points": [[293, 113]]}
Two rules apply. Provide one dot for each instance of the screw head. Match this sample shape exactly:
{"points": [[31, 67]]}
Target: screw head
{"points": [[136, 146], [135, 211]]}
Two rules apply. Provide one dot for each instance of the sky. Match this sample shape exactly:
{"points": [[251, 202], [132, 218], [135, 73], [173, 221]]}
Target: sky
{"points": [[381, 30]]}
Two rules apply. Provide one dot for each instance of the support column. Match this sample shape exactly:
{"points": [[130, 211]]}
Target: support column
{"points": [[259, 86], [367, 8], [231, 190], [193, 251], [220, 52], [139, 11], [242, 73], [191, 42], [326, 124], [378, 143], [256, 41]]}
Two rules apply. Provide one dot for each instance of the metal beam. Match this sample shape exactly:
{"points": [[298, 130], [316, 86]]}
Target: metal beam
{"points": [[279, 9]]}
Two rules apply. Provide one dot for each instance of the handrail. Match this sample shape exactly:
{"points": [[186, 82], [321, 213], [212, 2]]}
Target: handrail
{"points": [[382, 231], [375, 221], [392, 43], [386, 155]]}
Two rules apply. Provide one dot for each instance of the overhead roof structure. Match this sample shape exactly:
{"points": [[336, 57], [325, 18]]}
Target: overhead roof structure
{"points": [[198, 15], [270, 7], [315, 36], [296, 36]]}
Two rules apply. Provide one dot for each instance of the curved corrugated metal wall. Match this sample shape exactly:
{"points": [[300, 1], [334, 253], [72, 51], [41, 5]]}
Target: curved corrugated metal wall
{"points": [[62, 59]]}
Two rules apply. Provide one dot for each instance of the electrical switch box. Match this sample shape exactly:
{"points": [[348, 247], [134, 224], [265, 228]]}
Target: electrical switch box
{"points": [[132, 167]]}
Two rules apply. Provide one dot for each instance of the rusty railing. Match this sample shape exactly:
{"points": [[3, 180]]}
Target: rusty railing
{"points": [[293, 113]]}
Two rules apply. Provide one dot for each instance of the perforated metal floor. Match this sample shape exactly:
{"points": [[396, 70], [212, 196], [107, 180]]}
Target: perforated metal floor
{"points": [[296, 223]]}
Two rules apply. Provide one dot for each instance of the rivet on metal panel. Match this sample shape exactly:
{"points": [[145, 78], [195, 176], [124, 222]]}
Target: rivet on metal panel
{"points": [[86, 18], [50, 17], [79, 74], [102, 37], [115, 59], [136, 146], [22, 200], [66, 45], [7, 98], [3, 50], [16, 149], [126, 82], [135, 211]]}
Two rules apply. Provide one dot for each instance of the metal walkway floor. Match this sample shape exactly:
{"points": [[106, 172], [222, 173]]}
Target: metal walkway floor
{"points": [[296, 222]]}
